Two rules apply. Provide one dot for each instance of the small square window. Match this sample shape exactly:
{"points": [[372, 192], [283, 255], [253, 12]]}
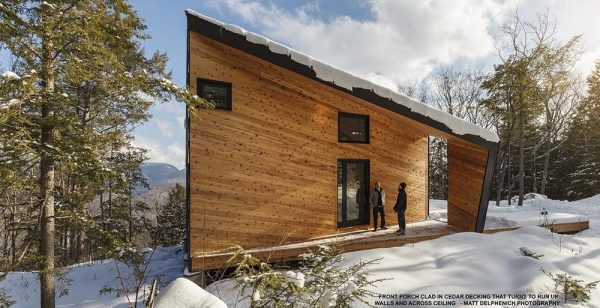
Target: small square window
{"points": [[353, 128], [217, 92]]}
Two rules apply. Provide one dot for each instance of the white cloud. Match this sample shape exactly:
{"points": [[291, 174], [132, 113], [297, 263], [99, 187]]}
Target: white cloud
{"points": [[164, 127], [181, 121], [404, 41], [173, 154], [172, 107]]}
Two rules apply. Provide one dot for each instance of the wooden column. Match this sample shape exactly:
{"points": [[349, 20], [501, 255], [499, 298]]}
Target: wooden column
{"points": [[466, 171]]}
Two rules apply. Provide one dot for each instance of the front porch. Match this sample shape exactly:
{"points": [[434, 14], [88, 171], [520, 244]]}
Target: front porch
{"points": [[348, 241], [363, 240]]}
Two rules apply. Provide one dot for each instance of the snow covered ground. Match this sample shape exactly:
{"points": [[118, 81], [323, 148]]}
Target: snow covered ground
{"points": [[86, 280], [530, 214], [451, 266], [482, 265]]}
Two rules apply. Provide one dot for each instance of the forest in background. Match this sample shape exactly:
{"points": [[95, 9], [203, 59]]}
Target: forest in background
{"points": [[79, 83], [546, 114]]}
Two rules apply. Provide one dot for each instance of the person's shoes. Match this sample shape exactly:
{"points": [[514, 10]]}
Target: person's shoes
{"points": [[383, 228], [401, 232], [374, 229]]}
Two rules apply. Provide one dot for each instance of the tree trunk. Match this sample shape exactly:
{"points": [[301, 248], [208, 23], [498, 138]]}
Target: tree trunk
{"points": [[533, 171], [47, 228], [79, 247], [500, 184], [68, 241], [102, 211], [521, 156], [6, 235], [47, 288], [130, 202], [545, 173], [509, 173], [13, 245], [73, 244], [109, 224]]}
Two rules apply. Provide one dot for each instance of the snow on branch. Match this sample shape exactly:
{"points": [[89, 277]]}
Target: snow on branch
{"points": [[10, 103], [10, 76]]}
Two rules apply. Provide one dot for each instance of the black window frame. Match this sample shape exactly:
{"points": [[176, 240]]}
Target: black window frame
{"points": [[215, 83], [364, 216], [364, 117]]}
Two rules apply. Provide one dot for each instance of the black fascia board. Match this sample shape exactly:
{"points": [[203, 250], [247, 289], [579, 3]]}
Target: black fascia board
{"points": [[238, 41], [188, 232]]}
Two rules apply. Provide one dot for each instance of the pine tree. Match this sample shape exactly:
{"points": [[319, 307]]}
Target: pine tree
{"points": [[582, 158], [531, 93], [170, 222], [80, 81]]}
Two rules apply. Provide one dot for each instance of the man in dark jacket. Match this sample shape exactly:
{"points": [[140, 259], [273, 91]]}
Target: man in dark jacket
{"points": [[400, 208], [377, 201]]}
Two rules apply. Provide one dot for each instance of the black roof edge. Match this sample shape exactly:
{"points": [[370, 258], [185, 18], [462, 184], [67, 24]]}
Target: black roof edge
{"points": [[238, 41]]}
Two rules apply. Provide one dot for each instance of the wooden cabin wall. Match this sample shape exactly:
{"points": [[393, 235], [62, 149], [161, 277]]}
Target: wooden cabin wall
{"points": [[266, 172], [466, 171]]}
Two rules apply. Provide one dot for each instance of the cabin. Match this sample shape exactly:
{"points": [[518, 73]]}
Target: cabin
{"points": [[294, 146]]}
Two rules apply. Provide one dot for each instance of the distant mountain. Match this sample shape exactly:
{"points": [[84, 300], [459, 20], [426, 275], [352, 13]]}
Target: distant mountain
{"points": [[162, 174]]}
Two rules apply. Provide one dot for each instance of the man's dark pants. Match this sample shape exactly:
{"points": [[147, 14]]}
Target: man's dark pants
{"points": [[401, 220], [378, 210]]}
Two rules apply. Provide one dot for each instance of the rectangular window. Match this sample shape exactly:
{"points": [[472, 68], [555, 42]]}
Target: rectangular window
{"points": [[217, 92], [353, 128]]}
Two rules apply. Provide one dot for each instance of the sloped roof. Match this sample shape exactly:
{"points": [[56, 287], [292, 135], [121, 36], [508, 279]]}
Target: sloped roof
{"points": [[303, 64]]}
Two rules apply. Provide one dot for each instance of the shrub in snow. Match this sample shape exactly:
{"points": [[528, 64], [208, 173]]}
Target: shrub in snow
{"points": [[134, 282], [320, 281], [545, 223], [5, 299], [4, 296], [528, 253], [571, 288]]}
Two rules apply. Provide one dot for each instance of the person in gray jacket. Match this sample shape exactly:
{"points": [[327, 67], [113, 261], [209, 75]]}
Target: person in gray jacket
{"points": [[377, 201]]}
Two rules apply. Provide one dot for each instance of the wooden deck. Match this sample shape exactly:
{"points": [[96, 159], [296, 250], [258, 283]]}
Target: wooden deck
{"points": [[362, 240], [566, 228], [348, 241]]}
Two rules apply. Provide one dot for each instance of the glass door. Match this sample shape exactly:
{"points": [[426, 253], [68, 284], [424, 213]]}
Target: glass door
{"points": [[353, 192]]}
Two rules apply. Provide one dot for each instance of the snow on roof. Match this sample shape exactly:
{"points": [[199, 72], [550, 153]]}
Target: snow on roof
{"points": [[348, 81]]}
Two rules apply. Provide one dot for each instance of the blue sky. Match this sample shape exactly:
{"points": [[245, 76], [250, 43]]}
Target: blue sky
{"points": [[164, 134], [386, 41]]}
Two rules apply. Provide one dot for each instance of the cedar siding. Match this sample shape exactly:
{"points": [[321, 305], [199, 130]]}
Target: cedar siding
{"points": [[266, 170]]}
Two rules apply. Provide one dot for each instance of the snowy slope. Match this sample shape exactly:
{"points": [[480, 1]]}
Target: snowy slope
{"points": [[534, 204], [473, 263], [480, 263], [459, 263], [87, 279]]}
